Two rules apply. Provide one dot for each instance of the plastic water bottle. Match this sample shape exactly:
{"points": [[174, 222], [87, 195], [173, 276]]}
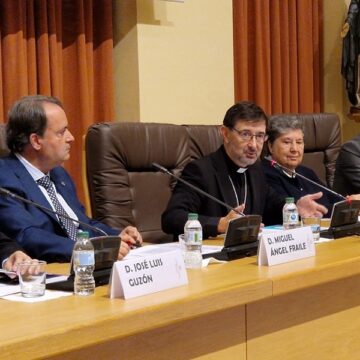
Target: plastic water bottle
{"points": [[84, 264], [290, 214], [193, 241]]}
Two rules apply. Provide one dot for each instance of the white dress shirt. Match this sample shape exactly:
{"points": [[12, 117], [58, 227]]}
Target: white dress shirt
{"points": [[36, 174]]}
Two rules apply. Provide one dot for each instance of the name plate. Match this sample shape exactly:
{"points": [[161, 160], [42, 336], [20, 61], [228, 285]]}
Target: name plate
{"points": [[285, 246], [146, 275]]}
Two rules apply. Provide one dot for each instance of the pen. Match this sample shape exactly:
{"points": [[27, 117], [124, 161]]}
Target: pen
{"points": [[134, 245], [137, 244]]}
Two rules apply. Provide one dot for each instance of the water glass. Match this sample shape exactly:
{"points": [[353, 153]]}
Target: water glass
{"points": [[191, 254], [32, 276], [182, 243], [314, 222]]}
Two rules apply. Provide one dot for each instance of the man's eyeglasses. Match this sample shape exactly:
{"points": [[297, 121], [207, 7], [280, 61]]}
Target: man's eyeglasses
{"points": [[246, 135]]}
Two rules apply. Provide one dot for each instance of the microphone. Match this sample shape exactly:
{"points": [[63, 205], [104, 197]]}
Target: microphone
{"points": [[166, 171], [6, 192], [276, 165]]}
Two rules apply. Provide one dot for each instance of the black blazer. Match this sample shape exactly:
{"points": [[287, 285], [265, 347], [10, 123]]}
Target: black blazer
{"points": [[37, 231], [211, 175], [347, 169], [298, 187]]}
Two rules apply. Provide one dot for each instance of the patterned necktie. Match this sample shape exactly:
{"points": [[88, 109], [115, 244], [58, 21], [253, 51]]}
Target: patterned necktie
{"points": [[67, 224]]}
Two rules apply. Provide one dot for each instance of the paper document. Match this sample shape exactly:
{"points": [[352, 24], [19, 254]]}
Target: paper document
{"points": [[6, 289], [151, 250], [163, 248], [49, 295], [208, 249], [53, 278]]}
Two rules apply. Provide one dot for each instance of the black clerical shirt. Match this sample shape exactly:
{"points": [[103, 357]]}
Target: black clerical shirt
{"points": [[238, 180]]}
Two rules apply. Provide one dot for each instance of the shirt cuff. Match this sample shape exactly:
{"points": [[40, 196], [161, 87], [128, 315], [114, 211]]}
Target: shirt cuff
{"points": [[3, 263]]}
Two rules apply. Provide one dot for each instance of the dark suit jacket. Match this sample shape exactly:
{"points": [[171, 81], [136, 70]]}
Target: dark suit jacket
{"points": [[7, 247], [38, 232], [347, 169], [297, 187], [211, 175]]}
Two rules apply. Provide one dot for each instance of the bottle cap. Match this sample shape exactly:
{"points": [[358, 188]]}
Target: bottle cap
{"points": [[82, 234], [289, 200], [192, 216]]}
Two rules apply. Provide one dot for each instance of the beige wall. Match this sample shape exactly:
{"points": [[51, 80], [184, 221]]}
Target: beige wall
{"points": [[126, 60], [174, 62]]}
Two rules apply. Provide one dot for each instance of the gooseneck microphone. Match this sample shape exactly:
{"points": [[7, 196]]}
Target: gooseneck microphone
{"points": [[166, 171], [278, 166], [6, 192]]}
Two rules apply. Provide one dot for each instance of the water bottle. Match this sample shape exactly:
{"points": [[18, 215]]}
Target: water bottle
{"points": [[84, 264], [193, 242], [290, 214]]}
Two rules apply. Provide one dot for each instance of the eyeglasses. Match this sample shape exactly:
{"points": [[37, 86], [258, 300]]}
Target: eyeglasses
{"points": [[246, 135]]}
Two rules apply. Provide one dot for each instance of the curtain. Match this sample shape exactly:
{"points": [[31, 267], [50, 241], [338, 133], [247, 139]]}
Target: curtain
{"points": [[277, 54], [61, 48]]}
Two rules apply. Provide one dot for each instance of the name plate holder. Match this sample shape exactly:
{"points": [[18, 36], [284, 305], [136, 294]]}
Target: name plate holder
{"points": [[148, 274], [284, 246]]}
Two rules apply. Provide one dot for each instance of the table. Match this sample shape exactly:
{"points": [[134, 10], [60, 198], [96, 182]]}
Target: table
{"points": [[307, 309]]}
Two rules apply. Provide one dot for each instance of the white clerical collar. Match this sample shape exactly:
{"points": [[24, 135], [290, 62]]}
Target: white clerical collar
{"points": [[241, 170]]}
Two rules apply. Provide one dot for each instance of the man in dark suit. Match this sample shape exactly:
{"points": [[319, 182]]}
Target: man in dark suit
{"points": [[10, 254], [40, 141], [347, 169], [233, 175]]}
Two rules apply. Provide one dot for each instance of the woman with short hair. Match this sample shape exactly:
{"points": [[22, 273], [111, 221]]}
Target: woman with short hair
{"points": [[285, 145]]}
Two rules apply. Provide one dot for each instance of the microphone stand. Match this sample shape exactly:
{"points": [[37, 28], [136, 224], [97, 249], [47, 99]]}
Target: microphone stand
{"points": [[6, 192], [166, 171], [237, 244], [293, 172], [106, 248], [339, 214]]}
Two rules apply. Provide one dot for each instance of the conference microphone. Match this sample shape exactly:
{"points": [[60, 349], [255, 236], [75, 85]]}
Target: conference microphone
{"points": [[276, 165], [6, 192], [166, 171]]}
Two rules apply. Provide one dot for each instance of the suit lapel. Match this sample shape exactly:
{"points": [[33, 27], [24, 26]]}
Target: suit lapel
{"points": [[65, 189], [32, 189], [61, 185], [254, 176], [222, 178]]}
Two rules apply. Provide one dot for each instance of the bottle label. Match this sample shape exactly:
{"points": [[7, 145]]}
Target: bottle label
{"points": [[290, 218], [194, 237], [84, 258]]}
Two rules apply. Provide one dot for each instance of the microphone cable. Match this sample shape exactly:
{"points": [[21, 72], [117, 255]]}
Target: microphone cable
{"points": [[278, 166], [6, 192]]}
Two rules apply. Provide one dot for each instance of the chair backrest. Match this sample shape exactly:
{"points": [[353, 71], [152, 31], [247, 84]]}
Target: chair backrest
{"points": [[322, 143], [125, 189], [203, 139], [3, 147]]}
